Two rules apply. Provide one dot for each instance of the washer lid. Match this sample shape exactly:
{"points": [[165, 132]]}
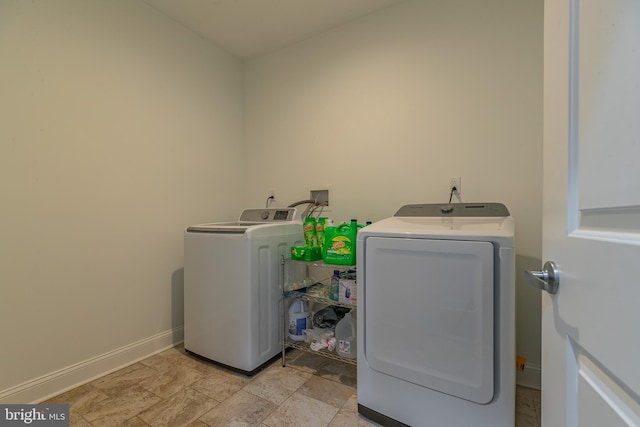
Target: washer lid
{"points": [[454, 209], [236, 227]]}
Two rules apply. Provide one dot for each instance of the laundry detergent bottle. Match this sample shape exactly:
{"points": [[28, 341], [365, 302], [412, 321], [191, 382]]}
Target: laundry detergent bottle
{"points": [[340, 244], [309, 228], [320, 226]]}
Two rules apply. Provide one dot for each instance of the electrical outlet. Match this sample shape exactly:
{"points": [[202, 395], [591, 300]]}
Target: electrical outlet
{"points": [[455, 181], [271, 197]]}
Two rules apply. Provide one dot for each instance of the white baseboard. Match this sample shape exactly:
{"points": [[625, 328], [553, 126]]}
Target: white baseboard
{"points": [[54, 383], [530, 376]]}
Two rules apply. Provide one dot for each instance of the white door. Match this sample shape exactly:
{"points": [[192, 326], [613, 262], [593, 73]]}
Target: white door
{"points": [[591, 226]]}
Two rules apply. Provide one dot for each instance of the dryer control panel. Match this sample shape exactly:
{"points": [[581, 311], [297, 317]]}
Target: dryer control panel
{"points": [[454, 209]]}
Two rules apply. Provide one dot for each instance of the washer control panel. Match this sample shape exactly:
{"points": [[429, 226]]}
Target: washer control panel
{"points": [[268, 215]]}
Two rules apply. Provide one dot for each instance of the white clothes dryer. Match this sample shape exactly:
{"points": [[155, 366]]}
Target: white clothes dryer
{"points": [[436, 323], [232, 287]]}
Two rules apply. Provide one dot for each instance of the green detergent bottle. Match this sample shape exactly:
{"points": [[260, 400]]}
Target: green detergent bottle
{"points": [[340, 244], [309, 228], [329, 231], [320, 226]]}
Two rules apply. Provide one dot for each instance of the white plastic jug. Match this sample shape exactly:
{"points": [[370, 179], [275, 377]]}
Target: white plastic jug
{"points": [[298, 318], [346, 337]]}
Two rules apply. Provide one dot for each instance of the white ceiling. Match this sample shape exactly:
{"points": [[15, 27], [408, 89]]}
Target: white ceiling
{"points": [[247, 28]]}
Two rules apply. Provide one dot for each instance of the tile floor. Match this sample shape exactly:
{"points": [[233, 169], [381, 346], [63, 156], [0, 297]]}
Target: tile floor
{"points": [[174, 389]]}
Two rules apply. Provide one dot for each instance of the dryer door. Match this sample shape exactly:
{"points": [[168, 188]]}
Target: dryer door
{"points": [[428, 313]]}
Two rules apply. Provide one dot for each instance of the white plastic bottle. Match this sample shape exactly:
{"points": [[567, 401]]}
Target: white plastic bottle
{"points": [[346, 337], [298, 318]]}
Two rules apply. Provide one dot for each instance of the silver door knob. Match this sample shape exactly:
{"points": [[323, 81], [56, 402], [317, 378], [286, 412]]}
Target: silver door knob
{"points": [[548, 279]]}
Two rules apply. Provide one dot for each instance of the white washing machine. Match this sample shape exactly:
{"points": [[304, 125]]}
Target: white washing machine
{"points": [[232, 287], [436, 323]]}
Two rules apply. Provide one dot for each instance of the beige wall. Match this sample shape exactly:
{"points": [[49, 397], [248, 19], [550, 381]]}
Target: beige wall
{"points": [[119, 128], [387, 108]]}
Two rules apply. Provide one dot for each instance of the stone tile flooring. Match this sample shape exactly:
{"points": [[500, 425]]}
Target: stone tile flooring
{"points": [[174, 389]]}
